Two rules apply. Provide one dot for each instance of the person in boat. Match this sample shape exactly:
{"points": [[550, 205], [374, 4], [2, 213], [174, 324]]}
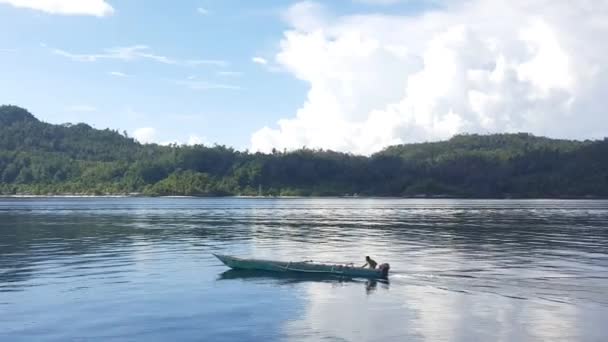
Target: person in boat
{"points": [[370, 262]]}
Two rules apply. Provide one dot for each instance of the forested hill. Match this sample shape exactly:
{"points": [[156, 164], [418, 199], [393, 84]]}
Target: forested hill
{"points": [[40, 158]]}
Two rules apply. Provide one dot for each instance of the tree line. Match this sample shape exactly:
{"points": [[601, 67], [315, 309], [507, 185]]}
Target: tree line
{"points": [[44, 159]]}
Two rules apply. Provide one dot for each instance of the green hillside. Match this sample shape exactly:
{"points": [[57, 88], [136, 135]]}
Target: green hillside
{"points": [[41, 158]]}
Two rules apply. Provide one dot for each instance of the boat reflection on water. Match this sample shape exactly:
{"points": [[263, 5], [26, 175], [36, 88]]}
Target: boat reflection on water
{"points": [[371, 285], [285, 278]]}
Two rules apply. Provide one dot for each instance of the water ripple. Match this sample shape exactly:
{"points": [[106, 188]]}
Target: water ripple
{"points": [[107, 258]]}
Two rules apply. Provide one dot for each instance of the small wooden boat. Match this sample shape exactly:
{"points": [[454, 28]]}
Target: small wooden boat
{"points": [[304, 267]]}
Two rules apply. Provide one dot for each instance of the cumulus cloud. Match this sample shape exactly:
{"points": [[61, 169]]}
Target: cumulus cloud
{"points": [[477, 67], [97, 8], [145, 135], [306, 16]]}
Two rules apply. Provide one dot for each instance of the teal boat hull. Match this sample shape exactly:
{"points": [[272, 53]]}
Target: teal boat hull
{"points": [[303, 267]]}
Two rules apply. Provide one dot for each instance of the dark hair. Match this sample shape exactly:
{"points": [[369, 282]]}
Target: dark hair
{"points": [[367, 257]]}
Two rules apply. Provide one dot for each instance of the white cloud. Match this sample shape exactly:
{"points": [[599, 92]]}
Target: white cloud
{"points": [[8, 50], [203, 85], [477, 66], [118, 74], [259, 60], [97, 8], [306, 16], [197, 140], [215, 62], [203, 11], [193, 139], [381, 2], [145, 135], [170, 142], [230, 73], [135, 52], [82, 108]]}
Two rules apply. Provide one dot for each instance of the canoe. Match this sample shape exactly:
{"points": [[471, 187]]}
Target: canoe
{"points": [[304, 267]]}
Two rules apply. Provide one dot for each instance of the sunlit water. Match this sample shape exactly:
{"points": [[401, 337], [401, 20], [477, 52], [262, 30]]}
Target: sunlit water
{"points": [[142, 269]]}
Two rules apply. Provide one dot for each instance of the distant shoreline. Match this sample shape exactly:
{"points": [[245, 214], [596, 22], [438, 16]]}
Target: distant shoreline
{"points": [[79, 161], [304, 197]]}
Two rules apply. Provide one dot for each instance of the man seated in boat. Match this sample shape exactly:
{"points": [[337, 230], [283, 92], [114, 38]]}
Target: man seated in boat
{"points": [[370, 262]]}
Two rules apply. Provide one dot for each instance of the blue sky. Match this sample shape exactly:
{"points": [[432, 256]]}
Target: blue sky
{"points": [[58, 89], [241, 96], [350, 75]]}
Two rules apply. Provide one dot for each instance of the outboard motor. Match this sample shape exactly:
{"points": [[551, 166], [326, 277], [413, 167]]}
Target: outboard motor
{"points": [[384, 268]]}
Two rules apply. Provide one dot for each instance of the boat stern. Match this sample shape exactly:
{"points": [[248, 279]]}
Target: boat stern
{"points": [[384, 268]]}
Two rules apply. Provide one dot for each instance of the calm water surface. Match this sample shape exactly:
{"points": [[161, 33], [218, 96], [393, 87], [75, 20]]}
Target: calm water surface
{"points": [[142, 269]]}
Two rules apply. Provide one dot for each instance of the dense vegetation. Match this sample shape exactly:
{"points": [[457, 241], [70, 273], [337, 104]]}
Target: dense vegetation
{"points": [[40, 158]]}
